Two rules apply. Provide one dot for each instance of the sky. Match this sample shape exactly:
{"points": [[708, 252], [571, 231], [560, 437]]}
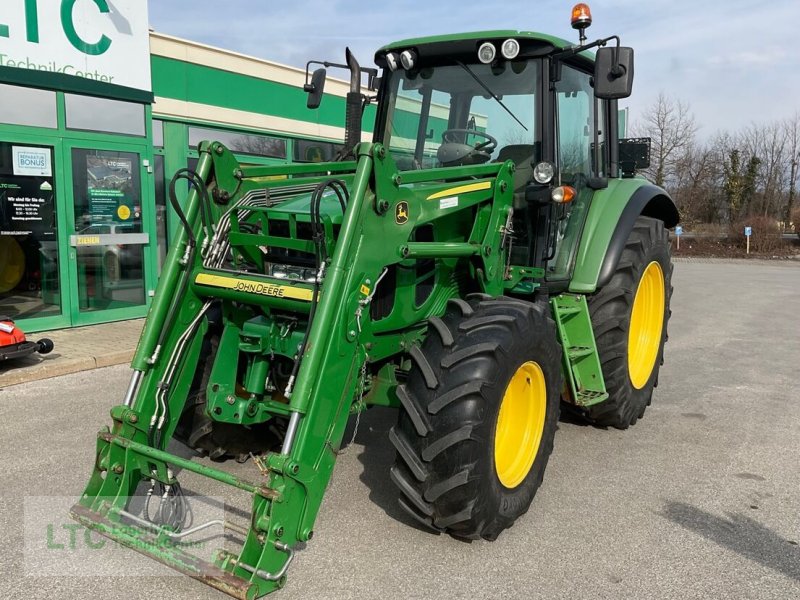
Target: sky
{"points": [[734, 62]]}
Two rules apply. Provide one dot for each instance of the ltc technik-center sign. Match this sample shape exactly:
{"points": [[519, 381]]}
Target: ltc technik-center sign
{"points": [[94, 46]]}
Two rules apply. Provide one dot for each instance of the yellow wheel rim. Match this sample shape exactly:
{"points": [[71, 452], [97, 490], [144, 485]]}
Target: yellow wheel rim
{"points": [[647, 320], [520, 424]]}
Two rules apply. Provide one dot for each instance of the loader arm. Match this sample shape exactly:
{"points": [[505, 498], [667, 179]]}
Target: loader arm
{"points": [[391, 249]]}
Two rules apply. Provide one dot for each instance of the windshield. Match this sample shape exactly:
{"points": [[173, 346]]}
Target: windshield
{"points": [[488, 107]]}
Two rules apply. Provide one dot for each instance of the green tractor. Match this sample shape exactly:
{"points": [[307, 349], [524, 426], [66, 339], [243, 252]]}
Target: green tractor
{"points": [[489, 257]]}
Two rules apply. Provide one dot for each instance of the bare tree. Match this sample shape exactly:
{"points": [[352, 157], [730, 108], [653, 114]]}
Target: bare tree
{"points": [[768, 143], [672, 128], [695, 187], [792, 130]]}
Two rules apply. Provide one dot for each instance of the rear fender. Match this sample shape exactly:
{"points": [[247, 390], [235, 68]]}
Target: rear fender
{"points": [[610, 221]]}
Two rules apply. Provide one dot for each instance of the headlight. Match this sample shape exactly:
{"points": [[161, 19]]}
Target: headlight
{"points": [[544, 172], [486, 52], [391, 61], [510, 48], [408, 59]]}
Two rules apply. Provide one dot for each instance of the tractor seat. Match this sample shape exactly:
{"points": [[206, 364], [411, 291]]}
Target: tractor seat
{"points": [[522, 155]]}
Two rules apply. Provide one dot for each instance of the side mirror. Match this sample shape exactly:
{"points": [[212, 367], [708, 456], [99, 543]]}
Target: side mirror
{"points": [[613, 73], [315, 88]]}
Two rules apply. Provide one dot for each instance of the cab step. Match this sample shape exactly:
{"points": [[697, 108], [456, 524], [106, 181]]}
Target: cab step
{"points": [[581, 361]]}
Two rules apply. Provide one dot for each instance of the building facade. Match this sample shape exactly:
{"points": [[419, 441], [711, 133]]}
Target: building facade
{"points": [[96, 114]]}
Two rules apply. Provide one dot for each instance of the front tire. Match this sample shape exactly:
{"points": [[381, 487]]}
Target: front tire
{"points": [[629, 318], [481, 406], [219, 441]]}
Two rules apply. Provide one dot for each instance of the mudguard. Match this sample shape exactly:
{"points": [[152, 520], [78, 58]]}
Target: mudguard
{"points": [[611, 217]]}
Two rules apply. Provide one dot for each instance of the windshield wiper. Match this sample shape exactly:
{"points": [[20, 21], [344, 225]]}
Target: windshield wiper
{"points": [[490, 92]]}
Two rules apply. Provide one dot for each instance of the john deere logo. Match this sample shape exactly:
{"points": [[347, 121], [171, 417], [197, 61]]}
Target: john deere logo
{"points": [[401, 213]]}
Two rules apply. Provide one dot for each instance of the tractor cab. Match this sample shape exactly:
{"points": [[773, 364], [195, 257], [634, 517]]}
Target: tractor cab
{"points": [[495, 96]]}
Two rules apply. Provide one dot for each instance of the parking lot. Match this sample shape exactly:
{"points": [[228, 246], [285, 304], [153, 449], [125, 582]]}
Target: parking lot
{"points": [[701, 499]]}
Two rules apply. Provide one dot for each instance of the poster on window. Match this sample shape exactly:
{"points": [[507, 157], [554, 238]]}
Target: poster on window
{"points": [[111, 190], [27, 207], [31, 160]]}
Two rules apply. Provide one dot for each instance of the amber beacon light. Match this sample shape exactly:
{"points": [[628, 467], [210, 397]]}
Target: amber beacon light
{"points": [[581, 19]]}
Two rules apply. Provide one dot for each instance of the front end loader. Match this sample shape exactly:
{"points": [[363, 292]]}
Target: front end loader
{"points": [[487, 258]]}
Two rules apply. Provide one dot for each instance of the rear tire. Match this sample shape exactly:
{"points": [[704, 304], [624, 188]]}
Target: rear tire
{"points": [[630, 347], [457, 469]]}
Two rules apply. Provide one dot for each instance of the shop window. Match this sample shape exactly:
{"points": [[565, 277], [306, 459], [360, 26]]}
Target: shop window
{"points": [[106, 191], [101, 114], [29, 282], [158, 133], [241, 143], [313, 151], [27, 106]]}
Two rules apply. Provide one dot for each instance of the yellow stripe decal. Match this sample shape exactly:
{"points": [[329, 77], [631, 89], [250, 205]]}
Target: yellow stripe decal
{"points": [[255, 287], [462, 189]]}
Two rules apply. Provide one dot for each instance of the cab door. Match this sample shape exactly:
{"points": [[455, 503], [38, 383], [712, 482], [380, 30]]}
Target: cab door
{"points": [[577, 161]]}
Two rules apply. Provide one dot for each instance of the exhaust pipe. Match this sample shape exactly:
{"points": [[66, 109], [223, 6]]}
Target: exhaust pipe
{"points": [[355, 100]]}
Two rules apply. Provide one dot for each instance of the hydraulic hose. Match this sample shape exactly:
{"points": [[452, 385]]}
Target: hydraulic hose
{"points": [[318, 233], [199, 186]]}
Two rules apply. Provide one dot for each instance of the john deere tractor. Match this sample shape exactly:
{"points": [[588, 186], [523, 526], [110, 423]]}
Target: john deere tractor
{"points": [[489, 256]]}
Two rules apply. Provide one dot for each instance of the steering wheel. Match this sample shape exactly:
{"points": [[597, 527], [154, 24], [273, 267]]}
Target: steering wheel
{"points": [[455, 152], [449, 136]]}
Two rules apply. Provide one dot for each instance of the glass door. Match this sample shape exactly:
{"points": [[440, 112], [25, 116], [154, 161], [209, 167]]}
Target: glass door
{"points": [[31, 265], [110, 232]]}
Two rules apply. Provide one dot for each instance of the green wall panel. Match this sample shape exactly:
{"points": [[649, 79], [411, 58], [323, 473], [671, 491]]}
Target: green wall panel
{"points": [[206, 85]]}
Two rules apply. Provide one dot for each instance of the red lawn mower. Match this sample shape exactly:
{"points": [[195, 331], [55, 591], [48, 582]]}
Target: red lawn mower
{"points": [[14, 345]]}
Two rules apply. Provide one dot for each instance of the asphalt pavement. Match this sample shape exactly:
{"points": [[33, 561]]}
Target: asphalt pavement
{"points": [[701, 499]]}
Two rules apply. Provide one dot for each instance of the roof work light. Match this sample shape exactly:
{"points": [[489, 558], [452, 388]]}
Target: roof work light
{"points": [[510, 49], [408, 59], [486, 52]]}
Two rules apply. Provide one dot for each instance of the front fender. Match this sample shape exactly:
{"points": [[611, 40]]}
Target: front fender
{"points": [[610, 221]]}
